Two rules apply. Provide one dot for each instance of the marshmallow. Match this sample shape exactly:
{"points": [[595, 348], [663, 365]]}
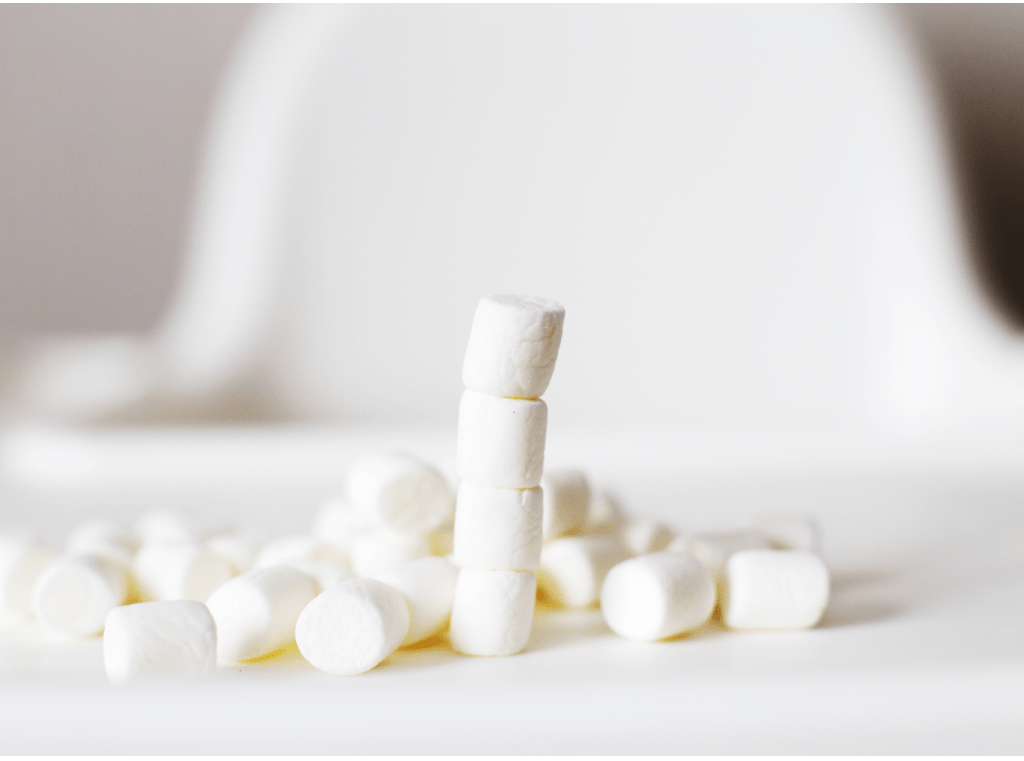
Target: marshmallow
{"points": [[775, 589], [336, 522], [498, 528], [350, 628], [400, 492], [239, 548], [428, 586], [104, 538], [22, 561], [604, 514], [714, 549], [513, 345], [297, 547], [74, 594], [790, 532], [442, 540], [492, 612], [163, 525], [382, 550], [256, 612], [161, 639], [501, 441], [658, 595], [179, 571], [323, 574], [566, 498], [642, 535], [573, 569]]}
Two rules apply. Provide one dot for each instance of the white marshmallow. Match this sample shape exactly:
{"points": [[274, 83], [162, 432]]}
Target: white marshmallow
{"points": [[400, 492], [658, 595], [573, 569], [104, 538], [297, 547], [351, 627], [323, 574], [642, 535], [179, 571], [566, 499], [513, 345], [428, 585], [22, 562], [498, 528], [501, 441], [714, 549], [492, 612], [256, 612], [382, 550], [775, 589], [790, 532], [239, 548], [159, 639], [336, 522], [75, 593], [605, 514]]}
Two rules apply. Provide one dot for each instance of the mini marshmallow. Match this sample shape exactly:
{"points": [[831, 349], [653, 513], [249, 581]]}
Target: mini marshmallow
{"points": [[642, 535], [22, 562], [240, 548], [790, 532], [501, 441], [382, 550], [179, 571], [400, 492], [159, 639], [573, 569], [351, 627], [775, 589], [428, 586], [513, 345], [658, 595], [566, 498], [492, 612], [75, 593], [714, 549], [498, 528], [323, 574], [605, 514], [104, 538], [256, 612], [297, 547]]}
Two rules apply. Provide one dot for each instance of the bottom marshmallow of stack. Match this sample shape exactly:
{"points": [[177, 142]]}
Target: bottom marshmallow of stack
{"points": [[492, 612], [169, 638]]}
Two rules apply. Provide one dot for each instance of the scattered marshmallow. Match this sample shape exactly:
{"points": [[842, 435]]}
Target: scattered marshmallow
{"points": [[498, 528], [256, 612], [642, 535], [382, 550], [566, 499], [790, 532], [428, 585], [323, 574], [159, 639], [658, 595], [351, 627], [75, 593], [573, 569], [179, 571], [714, 549], [104, 538], [513, 345], [605, 514], [240, 548], [297, 547], [492, 612], [336, 522], [400, 492], [22, 562], [775, 589], [501, 441]]}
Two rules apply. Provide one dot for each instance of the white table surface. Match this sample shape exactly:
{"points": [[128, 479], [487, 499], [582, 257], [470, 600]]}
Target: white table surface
{"points": [[921, 649]]}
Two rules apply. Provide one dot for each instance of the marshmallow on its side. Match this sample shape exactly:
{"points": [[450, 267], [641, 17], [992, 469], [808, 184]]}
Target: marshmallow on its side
{"points": [[74, 594], [428, 585], [501, 441], [790, 532], [642, 535], [22, 562], [566, 499], [351, 627], [159, 639], [775, 589], [323, 574], [605, 514], [104, 538], [658, 595], [513, 345], [572, 569], [179, 571], [239, 548], [714, 549], [336, 522], [256, 612], [383, 550], [400, 492], [498, 528], [492, 612]]}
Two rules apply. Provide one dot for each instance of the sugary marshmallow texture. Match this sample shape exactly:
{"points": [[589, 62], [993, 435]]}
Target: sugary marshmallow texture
{"points": [[573, 569], [22, 561], [513, 345], [498, 528], [400, 492], [492, 612], [656, 596], [428, 586], [351, 627], [179, 571], [501, 441], [775, 589], [159, 639], [74, 594], [566, 500]]}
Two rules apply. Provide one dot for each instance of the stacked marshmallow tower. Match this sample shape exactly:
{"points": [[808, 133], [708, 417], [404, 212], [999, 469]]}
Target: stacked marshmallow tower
{"points": [[498, 532]]}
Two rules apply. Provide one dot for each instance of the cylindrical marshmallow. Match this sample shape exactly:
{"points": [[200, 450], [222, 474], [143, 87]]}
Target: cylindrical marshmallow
{"points": [[642, 535], [159, 639], [256, 612], [573, 569], [658, 595], [22, 562], [383, 550], [566, 499], [74, 594], [714, 549], [428, 585], [498, 528], [179, 571], [513, 345], [790, 532], [351, 627], [775, 589], [501, 441], [297, 547], [104, 538], [240, 548], [336, 522], [400, 492], [492, 612], [605, 514], [324, 575]]}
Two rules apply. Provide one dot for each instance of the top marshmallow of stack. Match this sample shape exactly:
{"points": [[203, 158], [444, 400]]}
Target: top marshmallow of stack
{"points": [[513, 346]]}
